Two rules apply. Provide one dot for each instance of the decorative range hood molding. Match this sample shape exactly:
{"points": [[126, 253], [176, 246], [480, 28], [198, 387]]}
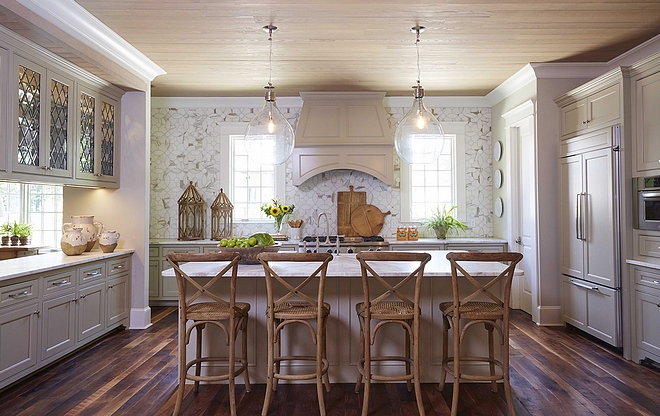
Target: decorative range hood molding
{"points": [[343, 130]]}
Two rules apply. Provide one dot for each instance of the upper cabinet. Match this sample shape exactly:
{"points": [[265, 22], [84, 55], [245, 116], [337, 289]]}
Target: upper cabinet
{"points": [[645, 102], [96, 145], [59, 125], [42, 120], [591, 107]]}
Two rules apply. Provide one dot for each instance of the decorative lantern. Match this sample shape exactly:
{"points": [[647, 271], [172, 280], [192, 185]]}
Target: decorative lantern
{"points": [[222, 217], [191, 214]]}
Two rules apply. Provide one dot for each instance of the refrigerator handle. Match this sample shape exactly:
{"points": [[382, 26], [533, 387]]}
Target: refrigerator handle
{"points": [[583, 217], [577, 217]]}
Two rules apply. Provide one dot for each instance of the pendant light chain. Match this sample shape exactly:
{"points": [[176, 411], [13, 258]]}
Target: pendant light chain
{"points": [[270, 57], [419, 72]]}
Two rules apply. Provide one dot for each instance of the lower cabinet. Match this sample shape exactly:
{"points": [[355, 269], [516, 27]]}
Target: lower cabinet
{"points": [[47, 317], [591, 308], [18, 339], [647, 313]]}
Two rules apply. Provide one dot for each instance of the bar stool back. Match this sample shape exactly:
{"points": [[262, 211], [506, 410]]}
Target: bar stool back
{"points": [[228, 315], [379, 306], [298, 305], [464, 312]]}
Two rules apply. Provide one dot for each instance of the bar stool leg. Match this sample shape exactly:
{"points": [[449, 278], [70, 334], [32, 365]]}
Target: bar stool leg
{"points": [[198, 354], [505, 369], [271, 368], [319, 368], [358, 384], [491, 355], [246, 374], [367, 369], [418, 387], [445, 353], [326, 377], [457, 365], [182, 365], [407, 341]]}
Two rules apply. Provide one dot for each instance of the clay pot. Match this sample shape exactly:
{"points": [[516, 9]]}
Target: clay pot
{"points": [[108, 240], [23, 240], [73, 241], [5, 240], [91, 229]]}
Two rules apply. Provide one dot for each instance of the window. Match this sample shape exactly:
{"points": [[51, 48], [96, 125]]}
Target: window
{"points": [[426, 187], [38, 205], [250, 184]]}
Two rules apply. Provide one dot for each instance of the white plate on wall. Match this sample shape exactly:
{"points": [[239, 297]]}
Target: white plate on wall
{"points": [[497, 151], [499, 207], [497, 180]]}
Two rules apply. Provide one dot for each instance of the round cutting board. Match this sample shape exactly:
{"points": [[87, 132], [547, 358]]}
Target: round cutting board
{"points": [[367, 220]]}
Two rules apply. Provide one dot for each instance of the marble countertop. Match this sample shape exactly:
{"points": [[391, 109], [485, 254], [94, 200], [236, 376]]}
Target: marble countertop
{"points": [[392, 241], [643, 264], [345, 265], [50, 262]]}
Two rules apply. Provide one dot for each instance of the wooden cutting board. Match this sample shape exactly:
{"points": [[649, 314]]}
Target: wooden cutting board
{"points": [[346, 203], [367, 220]]}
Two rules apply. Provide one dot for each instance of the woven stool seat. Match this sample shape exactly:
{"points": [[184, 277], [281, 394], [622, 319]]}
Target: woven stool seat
{"points": [[298, 310], [211, 311], [387, 310], [474, 310]]}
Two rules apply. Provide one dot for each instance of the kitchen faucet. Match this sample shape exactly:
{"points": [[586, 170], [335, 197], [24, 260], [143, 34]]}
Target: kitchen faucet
{"points": [[327, 226]]}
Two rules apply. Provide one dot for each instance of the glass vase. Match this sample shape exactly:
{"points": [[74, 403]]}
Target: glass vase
{"points": [[278, 225]]}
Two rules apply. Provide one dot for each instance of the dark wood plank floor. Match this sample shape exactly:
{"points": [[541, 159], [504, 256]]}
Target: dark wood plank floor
{"points": [[554, 371]]}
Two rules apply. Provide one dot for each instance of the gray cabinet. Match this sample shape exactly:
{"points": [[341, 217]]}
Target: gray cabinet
{"points": [[48, 316], [592, 112], [647, 313], [646, 123]]}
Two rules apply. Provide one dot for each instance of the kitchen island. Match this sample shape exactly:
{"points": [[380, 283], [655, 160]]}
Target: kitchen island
{"points": [[343, 291]]}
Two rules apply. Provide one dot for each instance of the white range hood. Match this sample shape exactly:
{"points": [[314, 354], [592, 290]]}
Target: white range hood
{"points": [[343, 130]]}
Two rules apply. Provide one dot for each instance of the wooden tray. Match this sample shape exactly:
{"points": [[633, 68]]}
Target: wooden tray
{"points": [[346, 203], [367, 220]]}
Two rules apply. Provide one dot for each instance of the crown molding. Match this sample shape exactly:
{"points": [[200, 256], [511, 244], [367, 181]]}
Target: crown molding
{"points": [[74, 20]]}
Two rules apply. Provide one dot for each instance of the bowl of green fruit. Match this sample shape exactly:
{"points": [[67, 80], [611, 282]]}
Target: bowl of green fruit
{"points": [[249, 247]]}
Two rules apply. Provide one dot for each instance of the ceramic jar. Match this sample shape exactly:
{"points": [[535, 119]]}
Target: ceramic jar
{"points": [[90, 229], [73, 241], [108, 240]]}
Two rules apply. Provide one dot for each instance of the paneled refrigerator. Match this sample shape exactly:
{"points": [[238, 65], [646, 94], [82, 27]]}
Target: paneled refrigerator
{"points": [[591, 233]]}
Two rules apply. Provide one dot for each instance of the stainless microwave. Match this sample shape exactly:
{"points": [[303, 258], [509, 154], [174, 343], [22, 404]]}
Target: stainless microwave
{"points": [[648, 204]]}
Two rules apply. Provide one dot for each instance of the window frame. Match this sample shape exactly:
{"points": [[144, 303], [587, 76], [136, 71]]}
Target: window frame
{"points": [[227, 130], [455, 129]]}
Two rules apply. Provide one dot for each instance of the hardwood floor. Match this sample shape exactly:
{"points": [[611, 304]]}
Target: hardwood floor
{"points": [[554, 371]]}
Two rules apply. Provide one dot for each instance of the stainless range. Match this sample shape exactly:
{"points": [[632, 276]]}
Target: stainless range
{"points": [[342, 244]]}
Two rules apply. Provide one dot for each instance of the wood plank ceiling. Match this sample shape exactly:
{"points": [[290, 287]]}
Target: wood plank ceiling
{"points": [[217, 48]]}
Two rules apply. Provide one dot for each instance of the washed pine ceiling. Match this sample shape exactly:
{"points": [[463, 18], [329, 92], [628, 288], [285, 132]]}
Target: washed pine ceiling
{"points": [[217, 48]]}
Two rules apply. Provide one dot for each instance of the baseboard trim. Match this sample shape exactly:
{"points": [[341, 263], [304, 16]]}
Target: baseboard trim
{"points": [[140, 318], [550, 316]]}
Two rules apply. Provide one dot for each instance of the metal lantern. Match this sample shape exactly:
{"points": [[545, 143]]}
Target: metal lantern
{"points": [[222, 217], [191, 214]]}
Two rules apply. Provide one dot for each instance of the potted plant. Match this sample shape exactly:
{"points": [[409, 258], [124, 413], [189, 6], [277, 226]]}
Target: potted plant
{"points": [[5, 230], [443, 222], [21, 231]]}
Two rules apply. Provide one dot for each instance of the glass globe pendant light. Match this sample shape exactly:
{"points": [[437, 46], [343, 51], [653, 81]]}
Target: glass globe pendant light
{"points": [[419, 137], [269, 137]]}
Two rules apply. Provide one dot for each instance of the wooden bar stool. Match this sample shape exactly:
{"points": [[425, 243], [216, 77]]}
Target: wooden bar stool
{"points": [[464, 312], [296, 306], [390, 306], [228, 315]]}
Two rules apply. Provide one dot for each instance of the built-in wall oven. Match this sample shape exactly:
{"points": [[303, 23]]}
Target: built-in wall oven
{"points": [[648, 203]]}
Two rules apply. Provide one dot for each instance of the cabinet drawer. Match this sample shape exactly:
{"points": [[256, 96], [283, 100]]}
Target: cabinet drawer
{"points": [[647, 318], [181, 249], [92, 272], [648, 245], [154, 252], [478, 248], [60, 281], [18, 293], [118, 266], [647, 277]]}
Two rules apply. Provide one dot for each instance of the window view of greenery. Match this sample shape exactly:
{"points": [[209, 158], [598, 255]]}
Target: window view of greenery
{"points": [[433, 185], [40, 206]]}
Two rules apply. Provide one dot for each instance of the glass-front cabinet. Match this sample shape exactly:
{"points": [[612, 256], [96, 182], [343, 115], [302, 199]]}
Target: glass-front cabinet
{"points": [[96, 153], [43, 122]]}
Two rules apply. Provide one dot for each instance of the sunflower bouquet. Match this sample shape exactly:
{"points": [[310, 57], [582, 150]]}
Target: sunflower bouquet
{"points": [[277, 211]]}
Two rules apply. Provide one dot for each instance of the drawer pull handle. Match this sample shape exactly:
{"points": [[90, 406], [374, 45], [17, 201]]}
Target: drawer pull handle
{"points": [[36, 312], [19, 295], [573, 282], [92, 274], [657, 282], [658, 305], [82, 296], [119, 266], [111, 286], [61, 282]]}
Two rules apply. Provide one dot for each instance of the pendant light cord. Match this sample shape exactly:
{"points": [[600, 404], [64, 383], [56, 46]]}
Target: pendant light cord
{"points": [[419, 76], [270, 58]]}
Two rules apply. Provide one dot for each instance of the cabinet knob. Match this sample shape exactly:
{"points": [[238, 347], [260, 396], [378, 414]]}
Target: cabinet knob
{"points": [[584, 122], [38, 312]]}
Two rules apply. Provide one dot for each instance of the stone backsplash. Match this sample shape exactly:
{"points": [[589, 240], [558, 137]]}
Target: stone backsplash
{"points": [[184, 149]]}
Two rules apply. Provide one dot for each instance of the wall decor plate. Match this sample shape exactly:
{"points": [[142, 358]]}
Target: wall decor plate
{"points": [[497, 179], [499, 207], [497, 151]]}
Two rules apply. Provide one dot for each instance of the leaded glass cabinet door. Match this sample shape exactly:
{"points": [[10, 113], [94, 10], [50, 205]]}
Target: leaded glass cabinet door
{"points": [[109, 145], [43, 121], [4, 70]]}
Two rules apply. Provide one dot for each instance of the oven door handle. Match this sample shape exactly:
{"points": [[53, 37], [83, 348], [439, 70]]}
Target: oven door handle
{"points": [[649, 194]]}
